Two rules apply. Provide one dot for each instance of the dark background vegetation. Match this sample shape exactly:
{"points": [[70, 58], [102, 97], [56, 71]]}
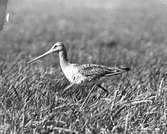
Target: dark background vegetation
{"points": [[110, 32]]}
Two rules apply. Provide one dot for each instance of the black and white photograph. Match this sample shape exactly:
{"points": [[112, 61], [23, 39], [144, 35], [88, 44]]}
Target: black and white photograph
{"points": [[83, 66]]}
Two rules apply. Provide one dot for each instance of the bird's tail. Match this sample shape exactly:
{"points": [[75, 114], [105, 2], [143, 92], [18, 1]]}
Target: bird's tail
{"points": [[118, 70], [124, 68]]}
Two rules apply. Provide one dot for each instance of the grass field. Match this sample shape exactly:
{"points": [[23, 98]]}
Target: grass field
{"points": [[111, 32]]}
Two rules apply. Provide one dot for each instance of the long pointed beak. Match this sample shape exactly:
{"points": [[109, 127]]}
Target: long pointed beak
{"points": [[41, 56]]}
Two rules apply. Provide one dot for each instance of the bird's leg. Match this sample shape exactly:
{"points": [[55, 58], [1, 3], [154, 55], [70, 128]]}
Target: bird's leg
{"points": [[67, 88], [87, 97], [99, 85]]}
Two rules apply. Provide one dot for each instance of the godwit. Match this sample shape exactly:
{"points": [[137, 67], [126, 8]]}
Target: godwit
{"points": [[76, 73]]}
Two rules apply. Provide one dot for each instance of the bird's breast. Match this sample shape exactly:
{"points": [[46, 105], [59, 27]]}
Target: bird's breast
{"points": [[73, 75]]}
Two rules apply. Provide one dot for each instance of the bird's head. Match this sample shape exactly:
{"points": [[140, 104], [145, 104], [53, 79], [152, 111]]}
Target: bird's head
{"points": [[57, 47]]}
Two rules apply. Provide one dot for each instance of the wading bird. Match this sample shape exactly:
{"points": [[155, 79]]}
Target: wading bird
{"points": [[78, 74]]}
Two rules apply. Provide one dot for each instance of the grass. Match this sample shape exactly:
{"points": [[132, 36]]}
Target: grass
{"points": [[131, 34]]}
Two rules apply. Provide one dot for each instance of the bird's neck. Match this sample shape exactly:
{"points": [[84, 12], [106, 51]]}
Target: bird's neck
{"points": [[63, 58]]}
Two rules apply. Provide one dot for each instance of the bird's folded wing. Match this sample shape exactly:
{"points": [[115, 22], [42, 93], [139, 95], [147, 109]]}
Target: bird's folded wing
{"points": [[93, 70]]}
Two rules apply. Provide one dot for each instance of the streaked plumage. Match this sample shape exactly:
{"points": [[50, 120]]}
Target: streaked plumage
{"points": [[78, 74], [93, 71]]}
